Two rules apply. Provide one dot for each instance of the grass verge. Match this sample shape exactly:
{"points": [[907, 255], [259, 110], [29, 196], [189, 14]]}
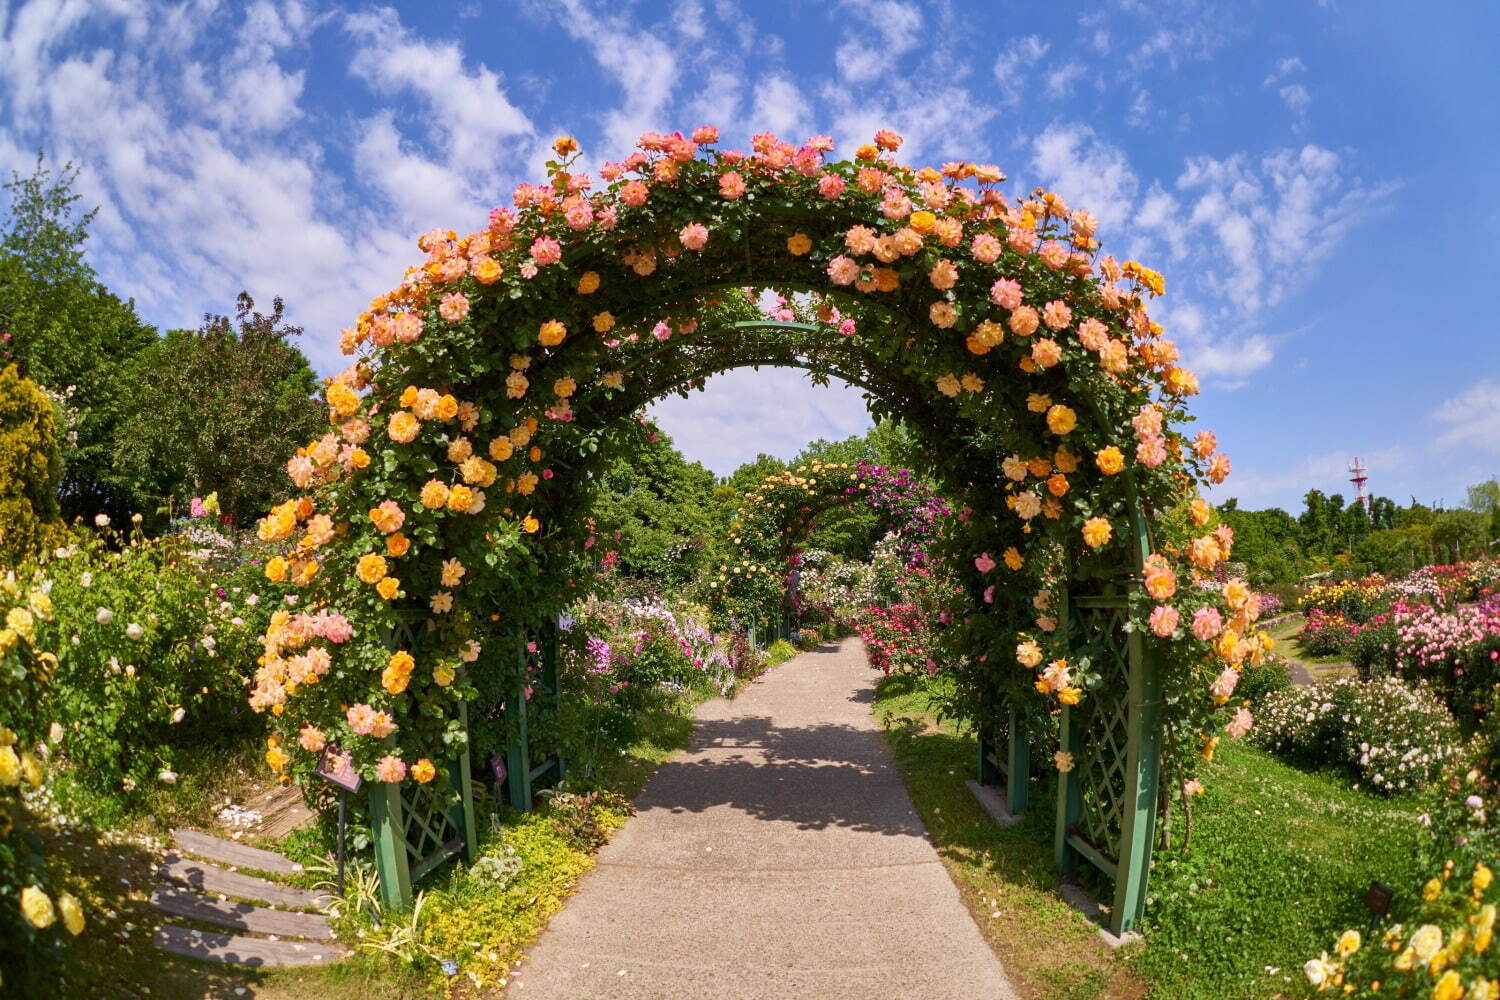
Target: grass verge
{"points": [[1277, 865], [1004, 875]]}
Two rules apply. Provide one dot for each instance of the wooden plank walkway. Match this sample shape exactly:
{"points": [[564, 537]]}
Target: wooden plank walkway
{"points": [[227, 852], [240, 916], [209, 878], [251, 951]]}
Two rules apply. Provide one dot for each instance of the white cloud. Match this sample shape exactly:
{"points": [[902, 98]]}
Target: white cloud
{"points": [[781, 108], [1060, 81], [885, 31], [1014, 63], [1285, 68], [1088, 172], [744, 412], [1472, 418]]}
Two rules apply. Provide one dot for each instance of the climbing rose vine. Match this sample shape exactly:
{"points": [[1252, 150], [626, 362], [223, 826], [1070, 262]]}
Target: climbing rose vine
{"points": [[439, 518]]}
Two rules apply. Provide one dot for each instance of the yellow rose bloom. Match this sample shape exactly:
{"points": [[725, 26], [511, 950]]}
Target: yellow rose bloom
{"points": [[388, 587], [37, 908], [403, 427], [447, 407], [276, 569], [922, 221], [442, 675], [1110, 460], [460, 498], [1348, 944], [531, 525], [1450, 987], [371, 568], [1069, 695], [551, 333], [359, 458], [10, 768], [31, 770], [72, 913], [1013, 558], [434, 494], [612, 380], [798, 244], [501, 448], [1061, 419], [276, 759], [564, 387], [342, 399], [1097, 532], [408, 396], [422, 771], [604, 322]]}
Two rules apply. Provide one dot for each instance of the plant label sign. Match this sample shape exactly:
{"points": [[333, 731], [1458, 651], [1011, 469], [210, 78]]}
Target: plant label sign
{"points": [[337, 768]]}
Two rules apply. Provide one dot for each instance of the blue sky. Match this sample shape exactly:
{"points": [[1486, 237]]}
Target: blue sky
{"points": [[1315, 179]]}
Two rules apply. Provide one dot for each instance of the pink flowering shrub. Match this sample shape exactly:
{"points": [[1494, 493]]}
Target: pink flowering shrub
{"points": [[897, 639]]}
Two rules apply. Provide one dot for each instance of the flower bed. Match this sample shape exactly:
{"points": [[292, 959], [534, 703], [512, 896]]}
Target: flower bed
{"points": [[1391, 736]]}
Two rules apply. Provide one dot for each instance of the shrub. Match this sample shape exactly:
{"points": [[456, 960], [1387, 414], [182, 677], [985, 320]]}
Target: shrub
{"points": [[1327, 634], [1394, 737], [29, 470], [157, 639], [1258, 683], [1373, 651], [779, 652], [807, 638]]}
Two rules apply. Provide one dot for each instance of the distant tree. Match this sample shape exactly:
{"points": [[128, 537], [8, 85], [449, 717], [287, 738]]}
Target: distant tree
{"points": [[658, 510], [221, 408], [1414, 515], [1459, 534], [1267, 541], [68, 334], [1485, 498], [1382, 513], [1395, 551]]}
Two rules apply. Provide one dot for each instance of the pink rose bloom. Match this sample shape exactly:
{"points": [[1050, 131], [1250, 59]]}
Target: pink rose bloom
{"points": [[502, 220], [1006, 293], [986, 248], [1024, 321], [454, 307], [1192, 787], [944, 275], [545, 250], [361, 719], [1204, 444], [300, 469], [1056, 315], [983, 562], [843, 270], [1164, 620], [1207, 623], [860, 239], [989, 597], [1147, 422], [831, 185], [578, 214], [1240, 725], [694, 236], [606, 217], [1093, 334], [706, 134], [382, 726], [1474, 802], [408, 327], [1054, 254], [821, 143], [847, 328], [1151, 452], [1224, 685], [661, 331], [196, 508], [943, 314], [895, 204], [1046, 352], [634, 194], [732, 185], [390, 769], [1021, 240]]}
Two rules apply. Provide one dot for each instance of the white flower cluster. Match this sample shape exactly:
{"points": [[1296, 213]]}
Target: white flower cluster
{"points": [[1396, 738]]}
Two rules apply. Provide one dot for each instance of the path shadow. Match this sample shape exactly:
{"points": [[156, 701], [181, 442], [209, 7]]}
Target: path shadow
{"points": [[815, 777]]}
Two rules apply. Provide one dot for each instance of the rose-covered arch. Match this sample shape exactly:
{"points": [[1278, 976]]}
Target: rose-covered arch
{"points": [[438, 525], [776, 516]]}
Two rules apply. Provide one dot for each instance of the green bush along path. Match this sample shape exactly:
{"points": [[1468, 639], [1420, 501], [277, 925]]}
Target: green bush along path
{"points": [[779, 856]]}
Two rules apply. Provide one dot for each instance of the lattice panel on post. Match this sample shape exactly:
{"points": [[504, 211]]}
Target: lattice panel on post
{"points": [[1102, 768]]}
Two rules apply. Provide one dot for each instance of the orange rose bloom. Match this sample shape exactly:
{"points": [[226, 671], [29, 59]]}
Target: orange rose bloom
{"points": [[398, 544], [551, 333], [531, 525], [501, 449], [359, 458], [447, 408], [422, 771], [589, 283], [1061, 419], [460, 498], [1013, 558], [388, 587], [1057, 484], [604, 322], [798, 244], [276, 569], [342, 399]]}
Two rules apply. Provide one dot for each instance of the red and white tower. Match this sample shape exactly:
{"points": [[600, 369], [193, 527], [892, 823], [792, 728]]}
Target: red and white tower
{"points": [[1359, 479]]}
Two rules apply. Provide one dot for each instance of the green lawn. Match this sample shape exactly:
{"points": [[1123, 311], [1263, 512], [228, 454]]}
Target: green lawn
{"points": [[1277, 865]]}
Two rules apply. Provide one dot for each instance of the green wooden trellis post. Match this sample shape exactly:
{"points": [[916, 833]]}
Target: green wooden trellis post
{"points": [[1014, 768], [521, 777], [416, 828], [1106, 804]]}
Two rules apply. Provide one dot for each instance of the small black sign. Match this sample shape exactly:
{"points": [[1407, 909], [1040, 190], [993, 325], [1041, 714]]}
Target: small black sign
{"points": [[337, 768]]}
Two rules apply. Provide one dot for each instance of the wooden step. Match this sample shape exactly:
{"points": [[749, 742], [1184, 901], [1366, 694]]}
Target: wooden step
{"points": [[211, 879], [227, 852], [230, 949], [239, 916]]}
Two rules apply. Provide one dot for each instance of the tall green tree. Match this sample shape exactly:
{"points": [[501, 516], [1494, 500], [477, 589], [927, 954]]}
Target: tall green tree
{"points": [[221, 409], [658, 512], [67, 333]]}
